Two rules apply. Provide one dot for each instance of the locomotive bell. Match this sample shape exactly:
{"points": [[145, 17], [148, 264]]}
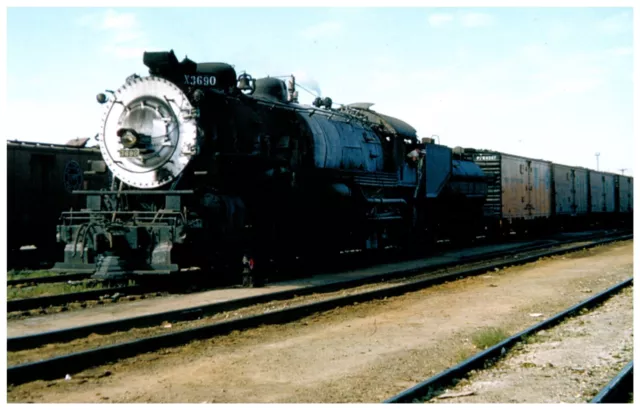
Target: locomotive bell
{"points": [[246, 83], [243, 82]]}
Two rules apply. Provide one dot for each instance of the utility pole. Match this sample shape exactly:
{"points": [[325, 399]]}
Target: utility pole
{"points": [[597, 161], [622, 170]]}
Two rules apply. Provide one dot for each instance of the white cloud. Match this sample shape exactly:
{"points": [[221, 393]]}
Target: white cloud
{"points": [[324, 29], [463, 55], [467, 20], [558, 87], [616, 24], [524, 103], [431, 75], [439, 19], [560, 30], [115, 20], [383, 80], [534, 53], [123, 36], [579, 85], [88, 20], [127, 36], [389, 73], [51, 126], [476, 20], [498, 101], [539, 75], [125, 52], [621, 51]]}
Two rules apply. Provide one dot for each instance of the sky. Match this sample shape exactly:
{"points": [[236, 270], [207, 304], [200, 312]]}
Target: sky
{"points": [[549, 83]]}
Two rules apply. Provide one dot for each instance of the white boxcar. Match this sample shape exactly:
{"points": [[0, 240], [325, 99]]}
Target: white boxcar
{"points": [[570, 190], [519, 188], [602, 187], [625, 194]]}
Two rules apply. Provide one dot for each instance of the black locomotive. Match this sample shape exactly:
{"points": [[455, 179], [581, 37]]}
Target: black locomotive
{"points": [[220, 173], [224, 173]]}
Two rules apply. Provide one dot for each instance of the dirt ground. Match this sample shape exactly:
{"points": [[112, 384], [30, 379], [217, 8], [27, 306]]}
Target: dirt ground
{"points": [[112, 311], [362, 353], [568, 363], [96, 340]]}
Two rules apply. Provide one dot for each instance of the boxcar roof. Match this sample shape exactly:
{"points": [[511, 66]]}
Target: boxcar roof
{"points": [[489, 151]]}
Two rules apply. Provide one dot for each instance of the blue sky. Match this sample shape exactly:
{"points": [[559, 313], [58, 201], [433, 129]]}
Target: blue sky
{"points": [[551, 83]]}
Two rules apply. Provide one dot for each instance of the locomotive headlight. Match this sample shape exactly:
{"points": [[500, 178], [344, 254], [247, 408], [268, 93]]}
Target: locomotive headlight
{"points": [[127, 138], [149, 132]]}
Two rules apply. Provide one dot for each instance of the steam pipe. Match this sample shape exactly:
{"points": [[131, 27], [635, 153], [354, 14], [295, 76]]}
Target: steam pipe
{"points": [[388, 201]]}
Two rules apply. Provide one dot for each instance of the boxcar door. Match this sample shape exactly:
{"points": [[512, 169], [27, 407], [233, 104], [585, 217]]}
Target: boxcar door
{"points": [[529, 189], [41, 197]]}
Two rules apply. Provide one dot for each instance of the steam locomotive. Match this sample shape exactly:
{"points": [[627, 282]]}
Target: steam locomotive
{"points": [[220, 172]]}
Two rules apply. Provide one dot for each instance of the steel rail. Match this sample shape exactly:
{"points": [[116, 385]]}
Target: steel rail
{"points": [[57, 367], [48, 279], [448, 377], [57, 300], [195, 312], [618, 389], [548, 242]]}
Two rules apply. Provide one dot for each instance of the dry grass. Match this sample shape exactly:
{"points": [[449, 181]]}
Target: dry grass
{"points": [[56, 288], [488, 337], [27, 274], [463, 354], [49, 289]]}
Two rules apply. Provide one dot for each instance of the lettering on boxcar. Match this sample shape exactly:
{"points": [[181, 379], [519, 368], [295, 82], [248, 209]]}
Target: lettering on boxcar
{"points": [[73, 177], [486, 158]]}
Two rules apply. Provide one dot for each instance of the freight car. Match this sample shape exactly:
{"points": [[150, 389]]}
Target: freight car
{"points": [[528, 195], [625, 198], [519, 190], [40, 179], [570, 195], [602, 186]]}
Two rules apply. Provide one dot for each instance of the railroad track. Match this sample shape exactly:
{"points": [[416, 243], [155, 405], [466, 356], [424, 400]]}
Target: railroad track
{"points": [[429, 388], [34, 281], [191, 313], [618, 389], [71, 363], [18, 305], [48, 279]]}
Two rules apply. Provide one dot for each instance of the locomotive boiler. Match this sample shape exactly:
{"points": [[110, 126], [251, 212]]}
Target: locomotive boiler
{"points": [[227, 174]]}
